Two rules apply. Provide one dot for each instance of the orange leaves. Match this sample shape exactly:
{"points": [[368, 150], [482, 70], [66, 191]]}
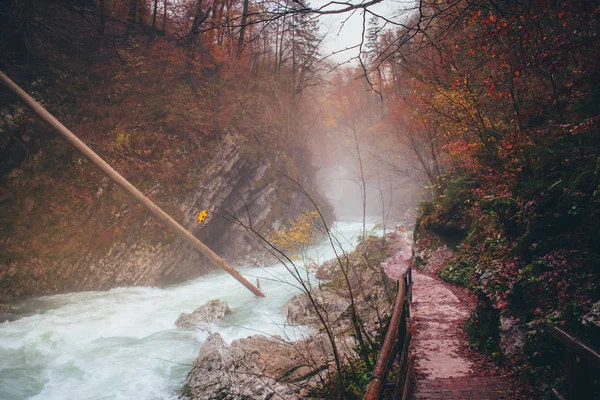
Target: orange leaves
{"points": [[300, 233]]}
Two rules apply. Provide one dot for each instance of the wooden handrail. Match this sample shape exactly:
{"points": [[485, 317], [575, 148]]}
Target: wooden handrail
{"points": [[125, 185], [377, 381], [583, 350], [582, 362]]}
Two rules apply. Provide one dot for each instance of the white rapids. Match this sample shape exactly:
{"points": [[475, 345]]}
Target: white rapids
{"points": [[123, 343]]}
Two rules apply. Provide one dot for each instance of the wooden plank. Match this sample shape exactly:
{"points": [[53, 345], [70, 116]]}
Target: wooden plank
{"points": [[463, 388], [463, 396], [492, 382], [582, 349]]}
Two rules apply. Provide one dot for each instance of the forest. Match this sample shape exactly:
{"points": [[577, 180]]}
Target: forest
{"points": [[476, 124]]}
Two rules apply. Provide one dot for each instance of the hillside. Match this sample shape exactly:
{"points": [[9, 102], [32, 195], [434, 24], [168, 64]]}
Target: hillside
{"points": [[183, 121]]}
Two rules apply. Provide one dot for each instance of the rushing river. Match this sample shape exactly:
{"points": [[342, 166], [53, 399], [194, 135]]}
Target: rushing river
{"points": [[123, 343]]}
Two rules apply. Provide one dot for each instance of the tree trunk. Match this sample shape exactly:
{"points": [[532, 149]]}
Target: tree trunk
{"points": [[215, 20], [154, 14], [101, 27], [240, 45], [363, 183], [199, 18], [276, 51], [132, 15], [220, 20], [165, 17], [281, 48]]}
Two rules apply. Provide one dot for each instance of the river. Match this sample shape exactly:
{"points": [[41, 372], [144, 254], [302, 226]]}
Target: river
{"points": [[123, 343]]}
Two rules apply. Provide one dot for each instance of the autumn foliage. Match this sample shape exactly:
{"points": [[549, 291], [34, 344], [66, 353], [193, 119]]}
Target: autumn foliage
{"points": [[499, 100], [493, 106], [157, 98]]}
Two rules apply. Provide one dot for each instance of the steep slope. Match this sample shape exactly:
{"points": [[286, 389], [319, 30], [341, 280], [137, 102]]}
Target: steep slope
{"points": [[185, 129]]}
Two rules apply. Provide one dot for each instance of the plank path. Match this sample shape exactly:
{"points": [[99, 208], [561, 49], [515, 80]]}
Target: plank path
{"points": [[443, 368]]}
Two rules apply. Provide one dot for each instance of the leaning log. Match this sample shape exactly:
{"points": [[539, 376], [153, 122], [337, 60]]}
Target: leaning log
{"points": [[125, 185]]}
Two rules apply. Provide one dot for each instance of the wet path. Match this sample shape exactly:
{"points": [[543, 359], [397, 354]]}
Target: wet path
{"points": [[443, 365]]}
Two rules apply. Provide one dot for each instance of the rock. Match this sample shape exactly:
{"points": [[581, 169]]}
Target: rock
{"points": [[433, 259], [260, 367], [326, 270], [512, 338], [252, 368], [592, 317], [5, 313], [300, 310], [209, 313], [147, 255]]}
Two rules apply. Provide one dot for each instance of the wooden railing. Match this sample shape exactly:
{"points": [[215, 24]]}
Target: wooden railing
{"points": [[395, 347], [582, 366]]}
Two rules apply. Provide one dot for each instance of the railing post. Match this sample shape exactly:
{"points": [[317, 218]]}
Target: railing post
{"points": [[582, 362], [578, 385], [395, 343]]}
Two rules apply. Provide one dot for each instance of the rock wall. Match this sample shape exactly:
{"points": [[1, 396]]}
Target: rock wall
{"points": [[232, 183]]}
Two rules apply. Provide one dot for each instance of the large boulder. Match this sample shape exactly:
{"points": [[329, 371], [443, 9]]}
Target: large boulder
{"points": [[301, 311], [512, 338], [257, 368], [204, 315]]}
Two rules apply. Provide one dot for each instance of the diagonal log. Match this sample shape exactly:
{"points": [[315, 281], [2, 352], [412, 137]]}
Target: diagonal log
{"points": [[125, 185]]}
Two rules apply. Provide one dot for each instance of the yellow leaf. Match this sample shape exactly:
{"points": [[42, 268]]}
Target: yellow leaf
{"points": [[202, 216]]}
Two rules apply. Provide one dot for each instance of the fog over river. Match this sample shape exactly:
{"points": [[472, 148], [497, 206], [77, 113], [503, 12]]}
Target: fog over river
{"points": [[123, 343]]}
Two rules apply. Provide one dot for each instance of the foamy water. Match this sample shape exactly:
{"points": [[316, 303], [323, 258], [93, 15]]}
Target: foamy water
{"points": [[123, 343]]}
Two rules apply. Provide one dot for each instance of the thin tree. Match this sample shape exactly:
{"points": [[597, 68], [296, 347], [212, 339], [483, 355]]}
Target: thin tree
{"points": [[165, 16], [154, 14], [240, 44]]}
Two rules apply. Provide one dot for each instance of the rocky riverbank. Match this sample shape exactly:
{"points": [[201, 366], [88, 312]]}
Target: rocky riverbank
{"points": [[260, 367]]}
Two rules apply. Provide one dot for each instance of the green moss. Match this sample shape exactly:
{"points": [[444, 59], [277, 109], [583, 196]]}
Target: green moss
{"points": [[459, 272]]}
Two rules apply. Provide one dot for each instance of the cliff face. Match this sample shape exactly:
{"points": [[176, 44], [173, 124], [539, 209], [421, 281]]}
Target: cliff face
{"points": [[231, 184], [191, 129]]}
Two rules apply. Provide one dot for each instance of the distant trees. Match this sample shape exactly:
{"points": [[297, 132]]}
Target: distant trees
{"points": [[465, 82]]}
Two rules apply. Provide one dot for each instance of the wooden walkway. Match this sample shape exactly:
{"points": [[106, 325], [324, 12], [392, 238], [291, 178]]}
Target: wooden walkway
{"points": [[462, 388], [442, 369]]}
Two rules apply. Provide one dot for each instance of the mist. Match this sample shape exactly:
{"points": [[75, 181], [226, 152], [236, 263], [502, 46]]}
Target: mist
{"points": [[390, 198]]}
